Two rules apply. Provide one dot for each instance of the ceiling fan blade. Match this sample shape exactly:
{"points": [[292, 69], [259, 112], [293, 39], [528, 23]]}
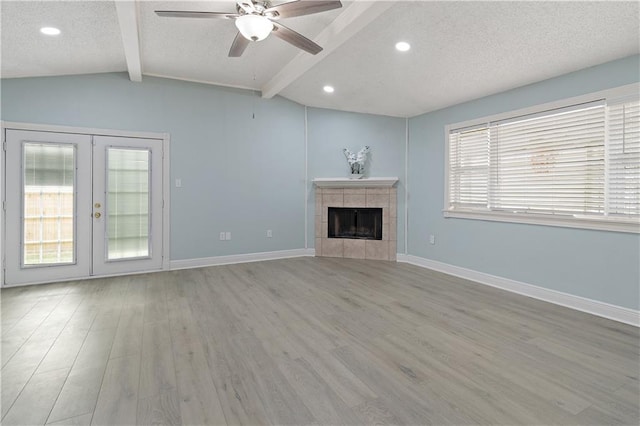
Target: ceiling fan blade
{"points": [[190, 14], [239, 45], [294, 38], [300, 7]]}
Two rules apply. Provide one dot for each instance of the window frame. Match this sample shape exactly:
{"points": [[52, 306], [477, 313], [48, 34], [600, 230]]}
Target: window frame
{"points": [[604, 223]]}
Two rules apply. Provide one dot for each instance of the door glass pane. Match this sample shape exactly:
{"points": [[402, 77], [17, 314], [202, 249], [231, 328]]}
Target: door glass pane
{"points": [[127, 203], [48, 200]]}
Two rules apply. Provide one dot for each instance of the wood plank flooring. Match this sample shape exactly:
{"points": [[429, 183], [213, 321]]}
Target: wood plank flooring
{"points": [[308, 341]]}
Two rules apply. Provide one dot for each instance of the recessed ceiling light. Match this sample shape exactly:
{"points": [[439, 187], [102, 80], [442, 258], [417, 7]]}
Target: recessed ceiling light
{"points": [[403, 46], [49, 31], [328, 89]]}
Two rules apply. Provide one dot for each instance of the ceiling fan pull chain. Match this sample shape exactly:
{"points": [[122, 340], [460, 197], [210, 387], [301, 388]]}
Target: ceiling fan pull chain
{"points": [[254, 92]]}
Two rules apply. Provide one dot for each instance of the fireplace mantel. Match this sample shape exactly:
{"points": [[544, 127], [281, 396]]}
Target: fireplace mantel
{"points": [[372, 182]]}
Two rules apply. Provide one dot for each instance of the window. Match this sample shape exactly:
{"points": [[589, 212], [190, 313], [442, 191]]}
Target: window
{"points": [[128, 199], [48, 202], [574, 163]]}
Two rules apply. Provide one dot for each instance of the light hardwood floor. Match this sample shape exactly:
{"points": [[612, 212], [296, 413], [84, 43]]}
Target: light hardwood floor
{"points": [[308, 341]]}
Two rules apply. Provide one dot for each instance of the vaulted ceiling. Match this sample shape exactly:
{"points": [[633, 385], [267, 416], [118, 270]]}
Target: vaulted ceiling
{"points": [[459, 50]]}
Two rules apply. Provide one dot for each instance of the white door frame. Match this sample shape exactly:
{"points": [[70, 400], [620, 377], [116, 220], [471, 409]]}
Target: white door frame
{"points": [[166, 179]]}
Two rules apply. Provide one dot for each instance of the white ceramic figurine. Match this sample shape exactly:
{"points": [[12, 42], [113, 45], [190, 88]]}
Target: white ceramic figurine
{"points": [[357, 161]]}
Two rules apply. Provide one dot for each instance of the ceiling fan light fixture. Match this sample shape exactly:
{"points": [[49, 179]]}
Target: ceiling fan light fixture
{"points": [[254, 27]]}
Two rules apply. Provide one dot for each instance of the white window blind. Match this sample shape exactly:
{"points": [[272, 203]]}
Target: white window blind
{"points": [[579, 162], [624, 160], [469, 157]]}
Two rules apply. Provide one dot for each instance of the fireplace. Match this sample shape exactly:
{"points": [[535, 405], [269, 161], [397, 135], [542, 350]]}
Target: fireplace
{"points": [[355, 223], [357, 199]]}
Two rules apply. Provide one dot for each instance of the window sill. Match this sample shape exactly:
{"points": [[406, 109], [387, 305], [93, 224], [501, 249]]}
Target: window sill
{"points": [[561, 221]]}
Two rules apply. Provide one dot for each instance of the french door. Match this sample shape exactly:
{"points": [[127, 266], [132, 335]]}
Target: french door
{"points": [[81, 205]]}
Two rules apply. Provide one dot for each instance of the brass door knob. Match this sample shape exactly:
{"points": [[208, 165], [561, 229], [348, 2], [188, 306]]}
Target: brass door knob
{"points": [[97, 215], [97, 205]]}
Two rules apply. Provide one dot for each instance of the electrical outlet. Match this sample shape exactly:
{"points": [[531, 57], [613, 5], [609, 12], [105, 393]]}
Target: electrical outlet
{"points": [[432, 239], [178, 183], [227, 235], [222, 236], [269, 233]]}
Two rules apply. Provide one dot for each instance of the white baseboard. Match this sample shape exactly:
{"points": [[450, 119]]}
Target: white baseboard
{"points": [[240, 258], [602, 309]]}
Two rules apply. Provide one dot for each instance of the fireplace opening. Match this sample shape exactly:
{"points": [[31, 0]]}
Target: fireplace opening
{"points": [[355, 223]]}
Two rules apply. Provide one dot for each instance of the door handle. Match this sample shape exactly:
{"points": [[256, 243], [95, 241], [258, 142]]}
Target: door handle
{"points": [[97, 215]]}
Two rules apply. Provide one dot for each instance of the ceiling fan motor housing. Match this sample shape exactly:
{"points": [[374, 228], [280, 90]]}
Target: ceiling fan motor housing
{"points": [[246, 7]]}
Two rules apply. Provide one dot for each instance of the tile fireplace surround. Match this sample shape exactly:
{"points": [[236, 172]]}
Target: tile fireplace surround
{"points": [[370, 192]]}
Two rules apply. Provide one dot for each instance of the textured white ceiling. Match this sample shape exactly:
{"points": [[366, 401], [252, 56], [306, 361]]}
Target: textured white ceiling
{"points": [[466, 50], [460, 50], [90, 41]]}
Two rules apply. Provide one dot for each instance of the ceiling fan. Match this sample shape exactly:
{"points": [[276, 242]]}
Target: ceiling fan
{"points": [[256, 19]]}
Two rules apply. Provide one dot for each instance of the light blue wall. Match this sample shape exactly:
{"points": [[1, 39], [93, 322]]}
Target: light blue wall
{"points": [[239, 174], [599, 265], [230, 163], [329, 132]]}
